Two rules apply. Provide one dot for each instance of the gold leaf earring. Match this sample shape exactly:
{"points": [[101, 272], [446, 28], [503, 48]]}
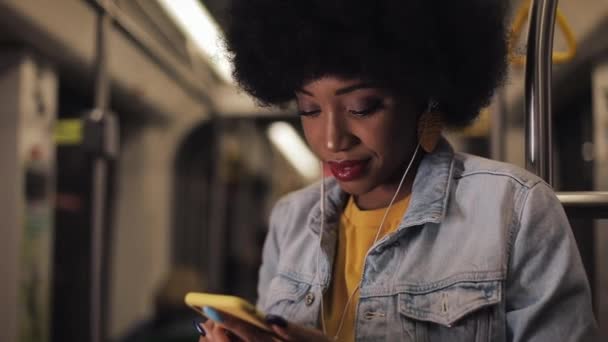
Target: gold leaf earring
{"points": [[430, 126]]}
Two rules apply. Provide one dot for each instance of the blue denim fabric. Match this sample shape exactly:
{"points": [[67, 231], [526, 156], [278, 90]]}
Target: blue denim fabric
{"points": [[484, 253]]}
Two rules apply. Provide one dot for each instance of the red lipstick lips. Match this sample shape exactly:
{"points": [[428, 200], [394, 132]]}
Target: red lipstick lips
{"points": [[347, 170]]}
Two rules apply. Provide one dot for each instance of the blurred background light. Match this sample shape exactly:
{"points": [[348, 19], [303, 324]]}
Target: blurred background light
{"points": [[285, 138], [200, 27]]}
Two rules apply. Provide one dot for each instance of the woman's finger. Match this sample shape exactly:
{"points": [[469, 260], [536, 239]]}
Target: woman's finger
{"points": [[293, 332], [219, 334], [198, 325], [243, 330], [211, 331], [208, 324]]}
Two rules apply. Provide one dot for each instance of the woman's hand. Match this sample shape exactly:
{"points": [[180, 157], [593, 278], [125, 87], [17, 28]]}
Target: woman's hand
{"points": [[225, 328]]}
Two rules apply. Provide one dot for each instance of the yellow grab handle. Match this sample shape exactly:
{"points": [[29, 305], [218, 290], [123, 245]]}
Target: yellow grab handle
{"points": [[518, 25]]}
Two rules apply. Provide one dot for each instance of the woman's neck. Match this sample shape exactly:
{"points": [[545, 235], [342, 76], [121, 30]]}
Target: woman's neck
{"points": [[381, 196]]}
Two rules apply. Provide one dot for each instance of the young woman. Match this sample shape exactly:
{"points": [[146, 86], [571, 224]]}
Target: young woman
{"points": [[409, 241]]}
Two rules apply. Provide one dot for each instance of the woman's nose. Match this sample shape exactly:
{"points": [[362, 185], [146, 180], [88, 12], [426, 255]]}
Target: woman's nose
{"points": [[338, 135]]}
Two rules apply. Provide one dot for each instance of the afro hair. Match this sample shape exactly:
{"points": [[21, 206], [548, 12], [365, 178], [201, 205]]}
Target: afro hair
{"points": [[453, 52]]}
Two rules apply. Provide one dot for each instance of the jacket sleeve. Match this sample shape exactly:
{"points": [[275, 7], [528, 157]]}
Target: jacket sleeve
{"points": [[547, 292], [270, 255]]}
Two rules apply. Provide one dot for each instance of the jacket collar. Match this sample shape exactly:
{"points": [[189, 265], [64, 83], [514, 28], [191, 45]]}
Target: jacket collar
{"points": [[430, 193]]}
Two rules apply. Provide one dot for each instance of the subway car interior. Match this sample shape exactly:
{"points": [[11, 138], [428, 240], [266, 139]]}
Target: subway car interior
{"points": [[133, 170]]}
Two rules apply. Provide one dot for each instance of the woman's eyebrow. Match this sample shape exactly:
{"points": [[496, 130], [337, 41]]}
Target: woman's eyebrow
{"points": [[300, 90], [341, 91], [352, 88]]}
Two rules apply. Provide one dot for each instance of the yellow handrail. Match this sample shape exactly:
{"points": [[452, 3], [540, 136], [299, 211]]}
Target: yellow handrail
{"points": [[518, 24]]}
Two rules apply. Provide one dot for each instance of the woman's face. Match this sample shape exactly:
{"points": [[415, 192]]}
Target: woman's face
{"points": [[366, 136]]}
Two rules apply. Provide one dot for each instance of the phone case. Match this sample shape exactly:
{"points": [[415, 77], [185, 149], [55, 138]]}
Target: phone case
{"points": [[231, 305]]}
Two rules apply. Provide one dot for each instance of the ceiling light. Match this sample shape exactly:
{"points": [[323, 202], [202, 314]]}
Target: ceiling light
{"points": [[194, 19]]}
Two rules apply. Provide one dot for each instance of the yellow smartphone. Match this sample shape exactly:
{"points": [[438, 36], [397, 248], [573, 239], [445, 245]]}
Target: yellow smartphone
{"points": [[231, 305]]}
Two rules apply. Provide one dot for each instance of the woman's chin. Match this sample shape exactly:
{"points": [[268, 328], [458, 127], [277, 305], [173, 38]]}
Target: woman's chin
{"points": [[354, 188]]}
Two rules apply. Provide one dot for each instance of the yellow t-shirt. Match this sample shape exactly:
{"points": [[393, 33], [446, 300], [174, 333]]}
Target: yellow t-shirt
{"points": [[357, 231]]}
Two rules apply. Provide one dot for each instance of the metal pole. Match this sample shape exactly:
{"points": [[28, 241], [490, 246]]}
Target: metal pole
{"points": [[100, 171], [539, 156], [592, 204], [539, 142]]}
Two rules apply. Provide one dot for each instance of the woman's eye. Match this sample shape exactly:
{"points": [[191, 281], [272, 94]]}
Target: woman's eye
{"points": [[368, 109], [308, 112]]}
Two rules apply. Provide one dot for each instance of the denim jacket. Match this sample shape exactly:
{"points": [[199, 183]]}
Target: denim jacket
{"points": [[483, 253]]}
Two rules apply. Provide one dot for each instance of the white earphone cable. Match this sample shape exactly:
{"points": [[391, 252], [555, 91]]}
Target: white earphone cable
{"points": [[350, 297], [320, 246]]}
